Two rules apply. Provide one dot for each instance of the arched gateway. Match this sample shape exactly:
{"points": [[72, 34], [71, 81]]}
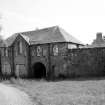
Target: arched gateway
{"points": [[39, 70]]}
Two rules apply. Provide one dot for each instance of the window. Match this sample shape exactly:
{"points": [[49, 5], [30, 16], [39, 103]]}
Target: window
{"points": [[20, 70], [72, 46], [33, 52], [6, 69], [44, 52], [16, 51], [20, 46], [6, 52], [17, 71], [20, 50], [2, 51], [39, 51], [55, 50]]}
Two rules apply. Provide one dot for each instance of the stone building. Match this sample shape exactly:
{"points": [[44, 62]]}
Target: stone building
{"points": [[38, 54]]}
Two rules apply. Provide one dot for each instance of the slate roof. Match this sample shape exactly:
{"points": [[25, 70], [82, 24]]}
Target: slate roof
{"points": [[46, 35], [10, 39]]}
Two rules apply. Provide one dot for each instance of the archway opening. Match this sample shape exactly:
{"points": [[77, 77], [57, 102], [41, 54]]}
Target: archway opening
{"points": [[39, 70]]}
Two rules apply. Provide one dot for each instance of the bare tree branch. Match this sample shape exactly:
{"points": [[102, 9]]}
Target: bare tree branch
{"points": [[1, 38], [0, 22]]}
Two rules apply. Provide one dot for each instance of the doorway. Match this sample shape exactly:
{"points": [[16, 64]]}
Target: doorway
{"points": [[39, 70]]}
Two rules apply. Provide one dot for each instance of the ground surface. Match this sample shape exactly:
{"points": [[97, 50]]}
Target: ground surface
{"points": [[81, 92], [13, 96]]}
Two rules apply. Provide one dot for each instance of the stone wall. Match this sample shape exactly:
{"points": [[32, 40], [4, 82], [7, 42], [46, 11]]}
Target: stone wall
{"points": [[85, 62], [46, 56], [42, 56], [69, 63], [57, 63], [6, 61], [80, 63]]}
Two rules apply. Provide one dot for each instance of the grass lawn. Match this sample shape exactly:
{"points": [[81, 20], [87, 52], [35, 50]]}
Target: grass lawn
{"points": [[70, 92]]}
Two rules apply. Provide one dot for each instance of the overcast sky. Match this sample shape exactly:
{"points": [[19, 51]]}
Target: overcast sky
{"points": [[81, 18]]}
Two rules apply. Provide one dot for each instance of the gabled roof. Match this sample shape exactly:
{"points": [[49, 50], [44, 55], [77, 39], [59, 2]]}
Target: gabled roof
{"points": [[11, 39], [46, 35]]}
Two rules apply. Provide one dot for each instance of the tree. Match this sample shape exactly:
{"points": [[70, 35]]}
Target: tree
{"points": [[1, 38], [0, 24]]}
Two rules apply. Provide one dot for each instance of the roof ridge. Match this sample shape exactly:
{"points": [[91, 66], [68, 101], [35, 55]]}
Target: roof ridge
{"points": [[38, 29], [45, 35]]}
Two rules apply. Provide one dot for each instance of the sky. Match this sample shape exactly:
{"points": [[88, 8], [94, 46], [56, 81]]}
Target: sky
{"points": [[80, 18]]}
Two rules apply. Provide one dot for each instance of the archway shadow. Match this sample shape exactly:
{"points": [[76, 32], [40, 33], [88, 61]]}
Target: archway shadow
{"points": [[39, 70]]}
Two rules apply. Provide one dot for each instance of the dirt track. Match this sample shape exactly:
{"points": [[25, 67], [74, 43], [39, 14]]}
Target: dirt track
{"points": [[12, 96]]}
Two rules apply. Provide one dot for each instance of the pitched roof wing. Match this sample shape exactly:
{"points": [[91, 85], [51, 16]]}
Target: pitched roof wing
{"points": [[68, 37], [46, 35], [10, 40]]}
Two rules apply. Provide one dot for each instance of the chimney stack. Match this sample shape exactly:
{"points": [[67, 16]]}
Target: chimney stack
{"points": [[99, 36], [99, 41]]}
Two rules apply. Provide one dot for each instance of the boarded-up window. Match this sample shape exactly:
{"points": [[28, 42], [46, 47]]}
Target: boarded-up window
{"points": [[23, 71], [6, 69], [20, 70]]}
